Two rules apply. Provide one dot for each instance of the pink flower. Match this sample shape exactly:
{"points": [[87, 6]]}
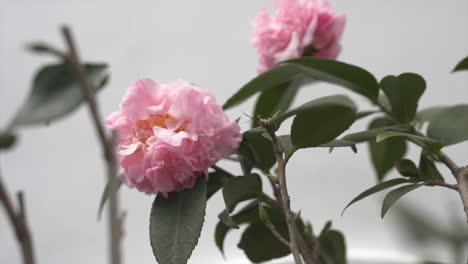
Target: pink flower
{"points": [[170, 134], [297, 28]]}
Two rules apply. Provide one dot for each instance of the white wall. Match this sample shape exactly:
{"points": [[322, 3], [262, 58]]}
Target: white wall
{"points": [[206, 41]]}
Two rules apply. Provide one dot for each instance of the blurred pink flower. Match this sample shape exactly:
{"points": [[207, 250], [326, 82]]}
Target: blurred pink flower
{"points": [[297, 28], [169, 134]]}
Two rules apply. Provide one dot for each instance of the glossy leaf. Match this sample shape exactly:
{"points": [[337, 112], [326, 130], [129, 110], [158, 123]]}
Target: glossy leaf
{"points": [[403, 92], [346, 75], [393, 196], [248, 214], [425, 142], [176, 223], [267, 80], [450, 126], [321, 121], [407, 168], [428, 170], [286, 145], [428, 114], [462, 65], [377, 188], [371, 134], [226, 219], [269, 248], [261, 150], [55, 93], [216, 180], [242, 188], [276, 100], [385, 154]]}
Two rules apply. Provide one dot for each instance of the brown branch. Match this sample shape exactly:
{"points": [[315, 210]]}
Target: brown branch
{"points": [[19, 222], [107, 145], [275, 232], [296, 240], [443, 184]]}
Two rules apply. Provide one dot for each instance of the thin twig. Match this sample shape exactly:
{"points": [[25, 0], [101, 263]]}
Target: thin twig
{"points": [[276, 233], [107, 144], [19, 222], [285, 198], [443, 184]]}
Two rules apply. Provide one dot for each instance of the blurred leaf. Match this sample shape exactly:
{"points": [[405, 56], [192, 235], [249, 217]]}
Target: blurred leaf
{"points": [[349, 76], [428, 114], [422, 141], [403, 92], [450, 126], [393, 196], [242, 188], [276, 100], [216, 180], [332, 248], [385, 154], [7, 140], [268, 80], [377, 188], [112, 187], [407, 168], [462, 65], [247, 214], [269, 248], [363, 114], [428, 170], [321, 120], [261, 150], [55, 93], [176, 223]]}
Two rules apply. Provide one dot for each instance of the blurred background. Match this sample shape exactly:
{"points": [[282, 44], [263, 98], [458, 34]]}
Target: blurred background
{"points": [[207, 42]]}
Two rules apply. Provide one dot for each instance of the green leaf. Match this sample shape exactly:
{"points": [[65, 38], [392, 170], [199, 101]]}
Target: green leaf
{"points": [[403, 92], [339, 143], [377, 188], [462, 65], [216, 180], [245, 156], [267, 80], [349, 76], [276, 100], [227, 219], [332, 248], [176, 223], [364, 114], [385, 154], [371, 134], [425, 142], [261, 150], [338, 101], [450, 126], [393, 196], [247, 215], [407, 168], [112, 186], [286, 145], [7, 140], [270, 247], [55, 93], [242, 188], [321, 120], [428, 169]]}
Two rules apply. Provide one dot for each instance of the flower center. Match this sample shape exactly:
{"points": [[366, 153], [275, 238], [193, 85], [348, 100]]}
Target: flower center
{"points": [[144, 128]]}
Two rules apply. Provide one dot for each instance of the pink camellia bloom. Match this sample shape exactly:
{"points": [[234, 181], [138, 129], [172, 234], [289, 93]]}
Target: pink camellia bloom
{"points": [[297, 28], [170, 134]]}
